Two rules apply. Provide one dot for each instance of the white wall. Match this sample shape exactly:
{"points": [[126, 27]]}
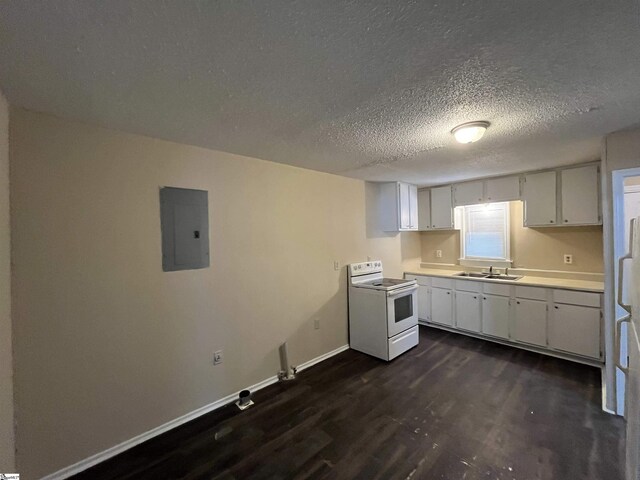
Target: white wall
{"points": [[7, 449], [107, 346], [621, 150]]}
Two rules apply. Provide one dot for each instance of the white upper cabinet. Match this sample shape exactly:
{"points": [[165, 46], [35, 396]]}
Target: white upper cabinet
{"points": [[441, 207], [470, 193], [424, 210], [398, 207], [405, 206], [539, 195], [502, 189], [413, 207], [580, 205]]}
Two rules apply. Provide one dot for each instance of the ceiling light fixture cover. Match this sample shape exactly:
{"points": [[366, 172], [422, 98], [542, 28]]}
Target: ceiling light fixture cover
{"points": [[470, 132]]}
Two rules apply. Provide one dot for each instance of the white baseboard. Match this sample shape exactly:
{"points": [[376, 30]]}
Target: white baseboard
{"points": [[313, 361], [126, 445]]}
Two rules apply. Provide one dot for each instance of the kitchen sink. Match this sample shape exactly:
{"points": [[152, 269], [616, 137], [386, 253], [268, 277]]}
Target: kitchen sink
{"points": [[503, 277], [472, 275], [489, 276]]}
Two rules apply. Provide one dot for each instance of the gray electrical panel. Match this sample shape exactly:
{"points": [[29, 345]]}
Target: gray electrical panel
{"points": [[184, 219]]}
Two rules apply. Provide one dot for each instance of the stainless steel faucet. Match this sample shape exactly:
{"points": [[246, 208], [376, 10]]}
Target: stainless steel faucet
{"points": [[490, 269]]}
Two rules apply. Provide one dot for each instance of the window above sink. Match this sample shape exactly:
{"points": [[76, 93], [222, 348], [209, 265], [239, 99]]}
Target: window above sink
{"points": [[484, 235]]}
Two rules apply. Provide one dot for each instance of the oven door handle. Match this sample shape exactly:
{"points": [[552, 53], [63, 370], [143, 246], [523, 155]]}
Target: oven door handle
{"points": [[400, 291]]}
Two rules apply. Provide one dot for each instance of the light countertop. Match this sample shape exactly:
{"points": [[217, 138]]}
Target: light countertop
{"points": [[531, 281]]}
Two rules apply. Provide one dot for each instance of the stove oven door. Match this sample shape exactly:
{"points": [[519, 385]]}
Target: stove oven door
{"points": [[402, 309]]}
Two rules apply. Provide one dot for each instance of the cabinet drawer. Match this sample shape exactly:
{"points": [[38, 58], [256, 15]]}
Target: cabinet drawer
{"points": [[442, 282], [571, 297], [468, 286], [403, 341], [497, 289], [533, 293], [421, 279]]}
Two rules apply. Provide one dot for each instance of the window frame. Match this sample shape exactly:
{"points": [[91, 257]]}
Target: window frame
{"points": [[470, 261]]}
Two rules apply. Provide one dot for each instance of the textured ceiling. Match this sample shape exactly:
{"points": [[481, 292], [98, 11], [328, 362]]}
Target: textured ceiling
{"points": [[358, 88]]}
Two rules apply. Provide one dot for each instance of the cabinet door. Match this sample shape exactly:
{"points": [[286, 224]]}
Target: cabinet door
{"points": [[413, 207], [424, 303], [441, 207], [441, 302], [530, 322], [503, 189], [468, 311], [495, 316], [405, 205], [470, 193], [539, 194], [424, 209], [580, 204], [575, 329]]}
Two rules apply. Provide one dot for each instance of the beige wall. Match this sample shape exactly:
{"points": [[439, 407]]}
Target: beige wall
{"points": [[534, 248], [6, 361], [107, 346]]}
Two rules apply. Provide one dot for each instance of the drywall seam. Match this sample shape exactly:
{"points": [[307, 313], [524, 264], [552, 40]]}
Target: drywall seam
{"points": [[154, 432]]}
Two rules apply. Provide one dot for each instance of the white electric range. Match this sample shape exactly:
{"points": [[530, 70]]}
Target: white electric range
{"points": [[383, 312]]}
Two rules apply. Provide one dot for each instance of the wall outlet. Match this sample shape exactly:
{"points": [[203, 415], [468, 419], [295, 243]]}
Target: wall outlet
{"points": [[336, 265], [217, 357], [316, 323], [568, 259], [438, 253]]}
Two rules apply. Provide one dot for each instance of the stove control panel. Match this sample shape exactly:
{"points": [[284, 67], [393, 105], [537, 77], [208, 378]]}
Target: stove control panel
{"points": [[374, 266]]}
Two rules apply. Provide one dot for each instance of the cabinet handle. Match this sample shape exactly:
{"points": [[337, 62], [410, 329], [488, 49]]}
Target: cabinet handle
{"points": [[566, 221], [475, 298], [518, 303], [484, 298], [550, 221], [556, 307], [448, 293]]}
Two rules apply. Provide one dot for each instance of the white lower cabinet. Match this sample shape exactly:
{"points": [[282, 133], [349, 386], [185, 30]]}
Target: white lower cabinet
{"points": [[468, 311], [441, 306], [495, 316], [530, 322], [562, 321], [424, 303], [575, 329]]}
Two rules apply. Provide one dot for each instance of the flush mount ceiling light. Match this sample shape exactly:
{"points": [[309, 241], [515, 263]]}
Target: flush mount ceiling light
{"points": [[470, 132]]}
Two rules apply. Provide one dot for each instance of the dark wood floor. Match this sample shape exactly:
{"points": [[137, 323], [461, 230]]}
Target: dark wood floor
{"points": [[452, 408]]}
